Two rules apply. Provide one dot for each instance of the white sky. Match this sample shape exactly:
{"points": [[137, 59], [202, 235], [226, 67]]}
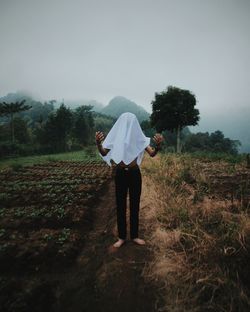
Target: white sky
{"points": [[94, 49]]}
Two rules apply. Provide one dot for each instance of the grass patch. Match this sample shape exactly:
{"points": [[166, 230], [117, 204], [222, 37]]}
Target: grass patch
{"points": [[16, 166], [16, 163], [201, 247], [217, 157]]}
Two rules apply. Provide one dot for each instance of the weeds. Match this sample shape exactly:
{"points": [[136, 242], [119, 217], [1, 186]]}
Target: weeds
{"points": [[201, 248]]}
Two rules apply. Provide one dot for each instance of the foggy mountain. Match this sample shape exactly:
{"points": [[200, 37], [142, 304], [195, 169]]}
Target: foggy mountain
{"points": [[17, 96], [115, 107], [97, 106], [120, 104]]}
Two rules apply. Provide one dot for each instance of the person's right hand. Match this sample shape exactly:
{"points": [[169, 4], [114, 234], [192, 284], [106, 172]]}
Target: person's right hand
{"points": [[99, 137]]}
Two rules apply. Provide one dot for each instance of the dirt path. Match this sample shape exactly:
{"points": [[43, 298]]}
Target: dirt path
{"points": [[106, 278]]}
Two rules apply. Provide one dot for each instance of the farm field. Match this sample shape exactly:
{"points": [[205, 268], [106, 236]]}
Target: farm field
{"points": [[18, 162], [58, 224], [46, 210]]}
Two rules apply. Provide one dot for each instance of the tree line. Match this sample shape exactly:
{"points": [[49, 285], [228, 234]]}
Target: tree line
{"points": [[33, 127], [49, 131]]}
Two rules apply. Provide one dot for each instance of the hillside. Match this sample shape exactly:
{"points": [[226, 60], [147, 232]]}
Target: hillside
{"points": [[97, 106], [120, 104], [16, 96], [234, 124]]}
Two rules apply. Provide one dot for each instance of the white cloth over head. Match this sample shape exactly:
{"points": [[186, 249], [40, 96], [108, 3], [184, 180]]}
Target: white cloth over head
{"points": [[125, 140]]}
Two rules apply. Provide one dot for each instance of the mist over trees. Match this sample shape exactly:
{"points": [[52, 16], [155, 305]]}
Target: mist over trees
{"points": [[214, 142], [52, 127], [172, 111], [41, 128], [10, 109]]}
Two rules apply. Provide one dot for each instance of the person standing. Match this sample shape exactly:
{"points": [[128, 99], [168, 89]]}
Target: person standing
{"points": [[125, 145]]}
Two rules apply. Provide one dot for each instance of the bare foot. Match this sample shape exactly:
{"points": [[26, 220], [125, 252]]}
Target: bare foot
{"points": [[139, 241], [119, 243]]}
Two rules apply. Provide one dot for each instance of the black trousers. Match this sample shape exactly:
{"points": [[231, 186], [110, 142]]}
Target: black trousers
{"points": [[128, 180]]}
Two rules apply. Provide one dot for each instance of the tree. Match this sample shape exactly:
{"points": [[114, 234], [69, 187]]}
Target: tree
{"points": [[56, 129], [147, 129], [215, 143], [62, 126], [173, 109], [83, 124], [22, 134], [11, 109], [102, 122]]}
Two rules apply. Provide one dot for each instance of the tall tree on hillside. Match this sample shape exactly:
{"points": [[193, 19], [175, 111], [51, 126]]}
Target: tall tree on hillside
{"points": [[10, 109], [56, 129], [83, 124], [22, 132], [63, 125], [173, 109]]}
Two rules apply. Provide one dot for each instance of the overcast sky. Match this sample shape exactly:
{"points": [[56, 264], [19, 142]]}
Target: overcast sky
{"points": [[90, 49]]}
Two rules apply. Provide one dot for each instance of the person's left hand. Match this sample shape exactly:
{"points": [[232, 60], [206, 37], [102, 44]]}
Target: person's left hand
{"points": [[158, 138]]}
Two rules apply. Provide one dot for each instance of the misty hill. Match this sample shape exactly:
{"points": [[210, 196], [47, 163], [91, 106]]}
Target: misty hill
{"points": [[120, 104], [26, 95], [97, 106], [16, 96], [234, 124], [39, 111]]}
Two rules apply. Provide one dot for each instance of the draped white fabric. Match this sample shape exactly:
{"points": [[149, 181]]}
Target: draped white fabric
{"points": [[125, 140]]}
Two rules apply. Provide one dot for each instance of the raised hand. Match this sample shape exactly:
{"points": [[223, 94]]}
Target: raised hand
{"points": [[158, 139], [99, 137]]}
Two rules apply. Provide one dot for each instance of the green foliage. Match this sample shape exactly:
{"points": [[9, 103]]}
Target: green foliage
{"points": [[22, 134], [66, 129], [147, 129], [174, 108], [38, 112], [2, 232], [16, 149], [83, 124], [64, 236], [50, 131], [4, 199], [9, 109], [82, 155], [169, 137], [215, 143], [103, 122], [16, 166], [213, 157], [57, 129]]}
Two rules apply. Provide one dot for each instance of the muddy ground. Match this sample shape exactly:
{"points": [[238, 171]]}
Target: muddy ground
{"points": [[94, 277]]}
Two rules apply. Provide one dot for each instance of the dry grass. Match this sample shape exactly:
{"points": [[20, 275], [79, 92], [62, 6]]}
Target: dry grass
{"points": [[199, 238]]}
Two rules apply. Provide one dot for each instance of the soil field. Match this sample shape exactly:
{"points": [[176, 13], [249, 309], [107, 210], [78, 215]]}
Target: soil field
{"points": [[57, 227]]}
